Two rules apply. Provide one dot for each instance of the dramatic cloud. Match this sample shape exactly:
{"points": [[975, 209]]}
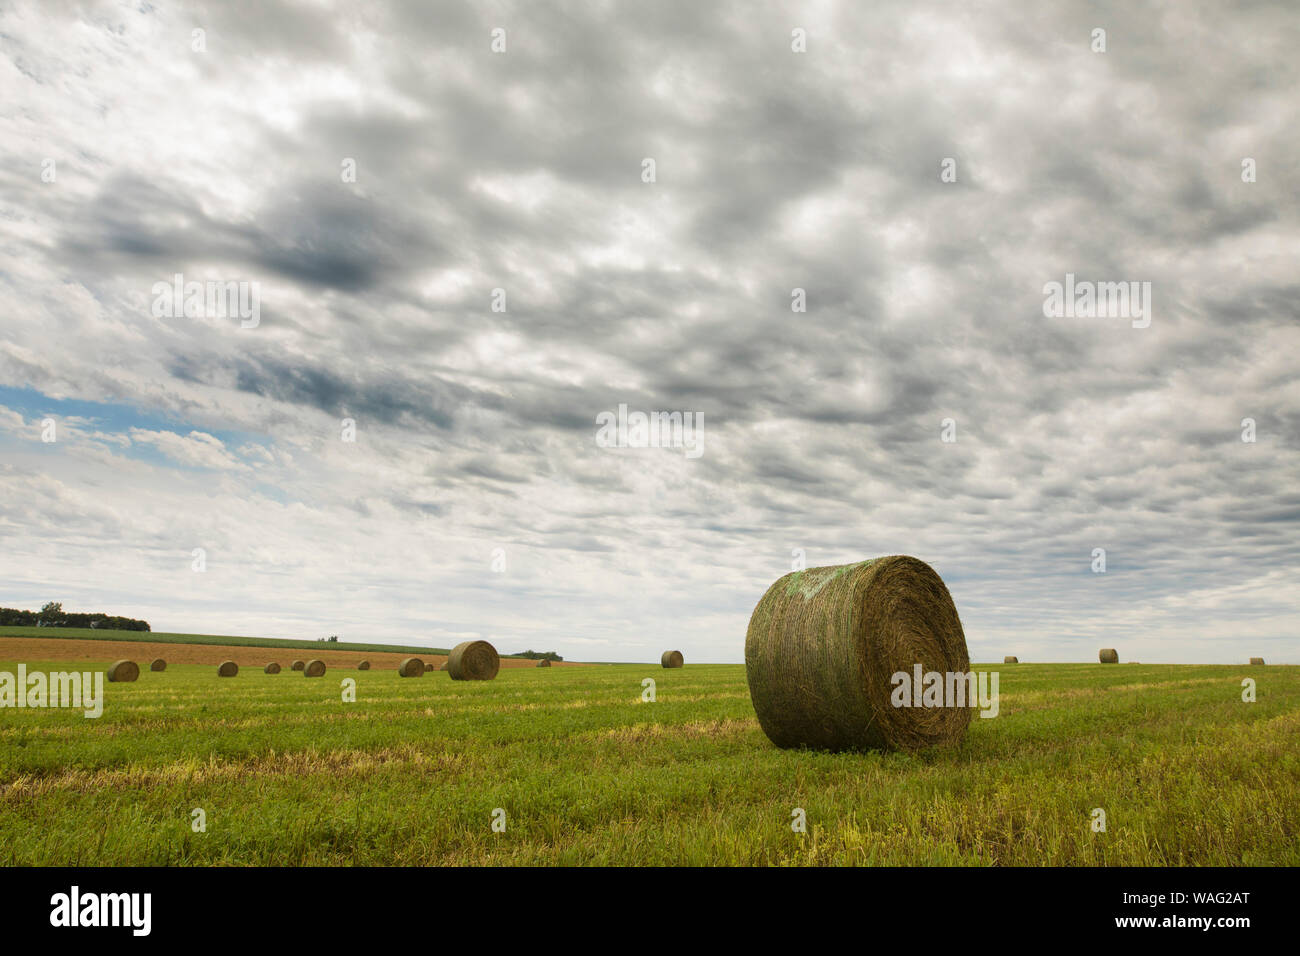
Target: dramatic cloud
{"points": [[460, 265]]}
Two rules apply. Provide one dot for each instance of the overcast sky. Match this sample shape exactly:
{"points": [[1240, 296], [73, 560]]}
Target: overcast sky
{"points": [[130, 156]]}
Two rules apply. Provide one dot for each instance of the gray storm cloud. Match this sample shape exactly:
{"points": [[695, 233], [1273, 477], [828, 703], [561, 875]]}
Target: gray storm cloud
{"points": [[521, 171]]}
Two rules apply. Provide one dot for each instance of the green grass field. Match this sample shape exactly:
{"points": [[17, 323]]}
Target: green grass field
{"points": [[95, 634], [587, 773]]}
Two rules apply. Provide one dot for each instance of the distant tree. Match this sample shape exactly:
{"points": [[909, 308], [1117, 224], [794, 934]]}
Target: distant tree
{"points": [[13, 617], [533, 655], [53, 615]]}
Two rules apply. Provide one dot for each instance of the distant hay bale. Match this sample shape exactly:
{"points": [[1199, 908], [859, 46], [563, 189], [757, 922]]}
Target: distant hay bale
{"points": [[411, 667], [1109, 655], [824, 644], [1010, 660], [671, 659], [544, 662], [473, 660], [428, 666], [444, 666], [364, 666], [123, 672], [157, 664], [271, 668], [314, 668], [228, 669], [297, 665], [1257, 661]]}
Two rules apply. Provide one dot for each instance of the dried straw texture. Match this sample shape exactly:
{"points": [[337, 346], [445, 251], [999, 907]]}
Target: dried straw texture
{"points": [[157, 664], [314, 668], [1010, 660], [473, 660], [297, 665], [823, 645], [228, 669], [271, 668], [428, 666], [1108, 655], [543, 663], [364, 666], [672, 659], [123, 672], [411, 667], [1257, 661]]}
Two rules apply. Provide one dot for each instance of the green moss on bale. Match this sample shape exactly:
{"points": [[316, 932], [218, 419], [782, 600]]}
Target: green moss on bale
{"points": [[824, 643]]}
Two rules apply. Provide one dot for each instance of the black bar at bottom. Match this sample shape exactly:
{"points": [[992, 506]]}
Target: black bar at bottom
{"points": [[330, 905]]}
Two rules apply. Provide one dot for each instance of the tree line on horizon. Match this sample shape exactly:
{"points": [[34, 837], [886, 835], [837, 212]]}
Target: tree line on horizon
{"points": [[52, 614], [539, 656]]}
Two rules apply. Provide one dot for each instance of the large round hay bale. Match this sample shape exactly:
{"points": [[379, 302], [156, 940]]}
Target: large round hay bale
{"points": [[428, 666], [1108, 655], [228, 669], [1009, 659], [672, 659], [121, 672], [157, 664], [364, 666], [823, 647], [544, 663], [314, 668], [473, 660], [297, 665], [271, 668], [411, 667], [1257, 661]]}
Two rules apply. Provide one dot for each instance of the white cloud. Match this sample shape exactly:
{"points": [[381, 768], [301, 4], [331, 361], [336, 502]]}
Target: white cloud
{"points": [[197, 449]]}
